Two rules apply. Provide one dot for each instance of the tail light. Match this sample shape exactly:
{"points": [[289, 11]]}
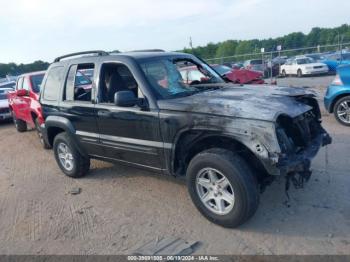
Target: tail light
{"points": [[337, 81]]}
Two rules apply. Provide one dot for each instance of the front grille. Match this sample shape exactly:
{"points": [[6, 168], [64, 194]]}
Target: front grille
{"points": [[4, 110]]}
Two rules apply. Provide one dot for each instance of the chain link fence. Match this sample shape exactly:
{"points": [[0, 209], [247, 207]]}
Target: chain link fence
{"points": [[272, 60]]}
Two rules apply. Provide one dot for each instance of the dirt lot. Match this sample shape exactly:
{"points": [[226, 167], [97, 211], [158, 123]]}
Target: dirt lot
{"points": [[121, 208]]}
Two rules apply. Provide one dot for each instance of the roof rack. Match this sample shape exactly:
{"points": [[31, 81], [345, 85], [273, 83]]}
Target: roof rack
{"points": [[148, 50], [98, 52]]}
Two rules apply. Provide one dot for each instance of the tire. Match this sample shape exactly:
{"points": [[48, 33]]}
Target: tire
{"points": [[44, 144], [20, 125], [80, 164], [284, 74], [242, 186], [299, 73], [343, 106]]}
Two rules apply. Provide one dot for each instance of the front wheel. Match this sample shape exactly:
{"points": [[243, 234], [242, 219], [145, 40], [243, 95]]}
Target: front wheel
{"points": [[284, 74], [342, 111], [222, 187], [68, 158], [299, 73]]}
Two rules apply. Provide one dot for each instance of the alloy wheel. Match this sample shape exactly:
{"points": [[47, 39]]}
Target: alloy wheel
{"points": [[65, 156], [215, 191], [343, 111]]}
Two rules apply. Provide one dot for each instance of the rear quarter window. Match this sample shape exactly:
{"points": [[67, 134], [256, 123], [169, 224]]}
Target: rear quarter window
{"points": [[53, 83]]}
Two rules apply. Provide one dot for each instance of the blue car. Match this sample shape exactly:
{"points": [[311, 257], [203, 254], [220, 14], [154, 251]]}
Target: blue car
{"points": [[335, 60], [337, 98]]}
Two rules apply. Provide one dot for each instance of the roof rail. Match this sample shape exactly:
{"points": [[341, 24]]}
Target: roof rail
{"points": [[148, 50], [98, 52]]}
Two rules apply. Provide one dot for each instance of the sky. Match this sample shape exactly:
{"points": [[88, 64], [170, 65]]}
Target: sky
{"points": [[44, 29]]}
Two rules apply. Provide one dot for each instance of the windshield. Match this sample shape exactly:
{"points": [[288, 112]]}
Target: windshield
{"points": [[221, 69], [171, 77], [36, 82], [304, 61], [315, 56]]}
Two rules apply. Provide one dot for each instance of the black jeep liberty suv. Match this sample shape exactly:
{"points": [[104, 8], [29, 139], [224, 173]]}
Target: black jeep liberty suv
{"points": [[138, 108]]}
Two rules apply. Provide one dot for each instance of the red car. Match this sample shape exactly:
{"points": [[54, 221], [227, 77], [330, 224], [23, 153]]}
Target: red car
{"points": [[24, 105], [240, 76]]}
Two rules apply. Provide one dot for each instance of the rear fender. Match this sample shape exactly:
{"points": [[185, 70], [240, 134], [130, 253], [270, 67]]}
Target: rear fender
{"points": [[66, 126]]}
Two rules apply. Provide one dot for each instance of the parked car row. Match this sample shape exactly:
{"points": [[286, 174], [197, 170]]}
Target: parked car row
{"points": [[283, 66]]}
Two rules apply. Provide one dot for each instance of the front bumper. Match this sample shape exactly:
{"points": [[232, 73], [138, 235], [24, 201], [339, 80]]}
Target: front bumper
{"points": [[315, 72]]}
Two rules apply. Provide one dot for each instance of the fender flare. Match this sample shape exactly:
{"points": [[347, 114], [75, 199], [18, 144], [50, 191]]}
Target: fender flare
{"points": [[60, 122], [66, 125], [260, 152]]}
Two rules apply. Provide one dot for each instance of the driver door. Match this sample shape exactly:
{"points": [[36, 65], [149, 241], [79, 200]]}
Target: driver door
{"points": [[127, 134]]}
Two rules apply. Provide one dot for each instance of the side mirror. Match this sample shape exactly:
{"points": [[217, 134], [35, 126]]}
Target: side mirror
{"points": [[125, 99], [22, 92]]}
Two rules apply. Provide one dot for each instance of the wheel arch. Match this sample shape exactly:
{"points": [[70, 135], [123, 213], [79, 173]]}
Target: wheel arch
{"points": [[192, 142], [55, 125], [336, 99]]}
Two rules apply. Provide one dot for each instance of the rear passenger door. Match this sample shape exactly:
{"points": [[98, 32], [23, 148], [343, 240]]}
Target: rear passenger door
{"points": [[77, 106]]}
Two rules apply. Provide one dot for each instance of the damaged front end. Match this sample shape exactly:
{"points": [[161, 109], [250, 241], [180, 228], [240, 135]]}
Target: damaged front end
{"points": [[300, 139]]}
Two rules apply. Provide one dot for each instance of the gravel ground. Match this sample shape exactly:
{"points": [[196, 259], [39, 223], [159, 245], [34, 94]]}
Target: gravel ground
{"points": [[121, 208]]}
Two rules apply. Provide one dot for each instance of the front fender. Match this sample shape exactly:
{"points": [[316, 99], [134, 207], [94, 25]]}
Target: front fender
{"points": [[332, 95]]}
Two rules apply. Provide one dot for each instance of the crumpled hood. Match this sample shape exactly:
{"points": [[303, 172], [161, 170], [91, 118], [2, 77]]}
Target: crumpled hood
{"points": [[260, 102]]}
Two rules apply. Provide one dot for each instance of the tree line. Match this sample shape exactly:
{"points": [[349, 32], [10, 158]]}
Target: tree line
{"points": [[15, 69], [317, 36]]}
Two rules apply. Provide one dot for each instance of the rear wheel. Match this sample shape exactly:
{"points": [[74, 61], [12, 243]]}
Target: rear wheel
{"points": [[222, 187], [68, 158], [40, 134], [342, 111], [20, 125]]}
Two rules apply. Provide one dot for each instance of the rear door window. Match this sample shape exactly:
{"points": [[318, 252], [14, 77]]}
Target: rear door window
{"points": [[36, 82], [53, 83], [79, 83]]}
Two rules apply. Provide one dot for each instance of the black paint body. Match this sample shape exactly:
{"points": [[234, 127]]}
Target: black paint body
{"points": [[161, 135]]}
